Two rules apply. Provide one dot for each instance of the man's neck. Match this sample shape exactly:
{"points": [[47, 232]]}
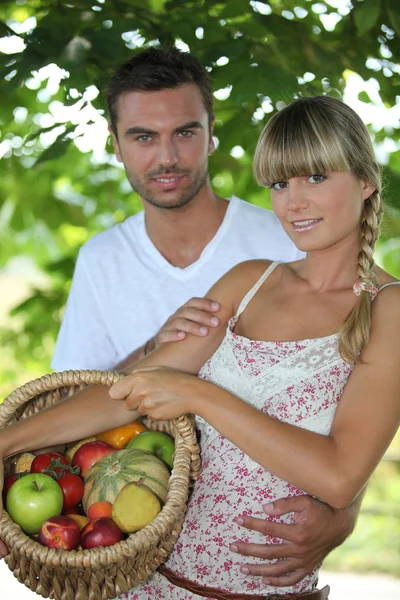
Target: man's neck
{"points": [[181, 234]]}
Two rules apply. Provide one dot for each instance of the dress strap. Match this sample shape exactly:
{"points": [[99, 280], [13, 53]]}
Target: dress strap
{"points": [[387, 285], [256, 287]]}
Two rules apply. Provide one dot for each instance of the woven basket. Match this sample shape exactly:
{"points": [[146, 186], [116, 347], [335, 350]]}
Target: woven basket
{"points": [[105, 572]]}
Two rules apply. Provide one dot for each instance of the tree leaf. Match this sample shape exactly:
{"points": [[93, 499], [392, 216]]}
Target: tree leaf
{"points": [[366, 15]]}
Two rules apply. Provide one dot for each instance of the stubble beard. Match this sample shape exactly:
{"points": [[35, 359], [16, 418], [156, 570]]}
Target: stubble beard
{"points": [[161, 200]]}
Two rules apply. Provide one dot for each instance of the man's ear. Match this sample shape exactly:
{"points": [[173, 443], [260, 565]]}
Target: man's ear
{"points": [[115, 143], [211, 144]]}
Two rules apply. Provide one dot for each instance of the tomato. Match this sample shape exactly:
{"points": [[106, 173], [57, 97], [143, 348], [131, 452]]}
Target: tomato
{"points": [[120, 436], [8, 481], [42, 462], [72, 488]]}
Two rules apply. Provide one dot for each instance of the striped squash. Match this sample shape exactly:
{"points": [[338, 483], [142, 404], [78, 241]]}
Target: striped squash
{"points": [[108, 475]]}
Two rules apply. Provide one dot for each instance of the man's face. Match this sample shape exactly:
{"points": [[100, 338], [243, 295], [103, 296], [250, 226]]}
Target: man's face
{"points": [[163, 141]]}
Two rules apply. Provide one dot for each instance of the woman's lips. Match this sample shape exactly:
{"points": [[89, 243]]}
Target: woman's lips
{"points": [[305, 224]]}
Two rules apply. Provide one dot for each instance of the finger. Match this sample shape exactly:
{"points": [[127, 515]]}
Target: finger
{"points": [[191, 323], [275, 530], [196, 315], [265, 551], [170, 336], [286, 505], [205, 304], [286, 580], [122, 389], [277, 569], [184, 325]]}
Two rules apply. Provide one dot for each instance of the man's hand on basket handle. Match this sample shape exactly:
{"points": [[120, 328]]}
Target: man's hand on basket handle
{"points": [[3, 547], [196, 317], [316, 530]]}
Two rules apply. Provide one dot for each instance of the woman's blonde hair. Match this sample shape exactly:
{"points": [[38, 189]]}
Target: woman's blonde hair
{"points": [[315, 135]]}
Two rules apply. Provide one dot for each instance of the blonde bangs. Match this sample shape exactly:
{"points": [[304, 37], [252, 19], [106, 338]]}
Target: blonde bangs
{"points": [[294, 145]]}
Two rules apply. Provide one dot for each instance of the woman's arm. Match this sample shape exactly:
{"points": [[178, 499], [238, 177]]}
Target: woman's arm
{"points": [[334, 468], [92, 409]]}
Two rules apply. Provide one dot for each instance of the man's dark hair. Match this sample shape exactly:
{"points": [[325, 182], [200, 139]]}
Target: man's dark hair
{"points": [[157, 69]]}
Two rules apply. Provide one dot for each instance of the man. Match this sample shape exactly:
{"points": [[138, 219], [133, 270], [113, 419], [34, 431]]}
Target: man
{"points": [[129, 279]]}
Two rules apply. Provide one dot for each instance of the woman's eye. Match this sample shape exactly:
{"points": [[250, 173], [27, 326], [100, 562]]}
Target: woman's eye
{"points": [[279, 185], [316, 178]]}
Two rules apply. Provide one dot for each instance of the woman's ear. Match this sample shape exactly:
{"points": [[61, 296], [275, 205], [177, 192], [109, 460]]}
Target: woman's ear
{"points": [[367, 189]]}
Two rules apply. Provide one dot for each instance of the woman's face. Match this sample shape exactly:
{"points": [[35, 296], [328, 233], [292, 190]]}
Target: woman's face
{"points": [[320, 211]]}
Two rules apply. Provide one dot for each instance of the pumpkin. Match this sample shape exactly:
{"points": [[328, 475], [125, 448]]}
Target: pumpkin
{"points": [[111, 473]]}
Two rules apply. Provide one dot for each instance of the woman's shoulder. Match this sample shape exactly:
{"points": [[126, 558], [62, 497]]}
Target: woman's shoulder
{"points": [[389, 289], [385, 323]]}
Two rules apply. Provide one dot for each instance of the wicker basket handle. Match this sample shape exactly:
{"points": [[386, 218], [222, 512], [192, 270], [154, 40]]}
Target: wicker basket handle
{"points": [[54, 381]]}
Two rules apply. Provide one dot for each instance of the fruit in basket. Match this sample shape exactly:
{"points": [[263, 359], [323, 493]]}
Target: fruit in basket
{"points": [[23, 462], [100, 532], [82, 520], [120, 436], [72, 488], [158, 443], [32, 499], [43, 462], [8, 481], [99, 509], [135, 507], [109, 475], [71, 451], [88, 454], [60, 532]]}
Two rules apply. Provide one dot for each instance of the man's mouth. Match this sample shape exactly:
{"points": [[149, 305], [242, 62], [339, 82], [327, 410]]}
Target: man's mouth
{"points": [[167, 182]]}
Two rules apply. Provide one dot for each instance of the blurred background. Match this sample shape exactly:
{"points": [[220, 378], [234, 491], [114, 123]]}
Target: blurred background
{"points": [[60, 182]]}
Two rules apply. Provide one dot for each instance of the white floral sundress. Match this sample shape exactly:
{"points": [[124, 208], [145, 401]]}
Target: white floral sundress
{"points": [[298, 382]]}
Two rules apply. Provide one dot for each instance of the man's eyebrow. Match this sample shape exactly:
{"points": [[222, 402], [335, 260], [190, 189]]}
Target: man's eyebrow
{"points": [[140, 130], [190, 125]]}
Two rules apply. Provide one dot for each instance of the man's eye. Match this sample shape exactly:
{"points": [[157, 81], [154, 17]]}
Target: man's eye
{"points": [[316, 178], [186, 133], [143, 138], [279, 185]]}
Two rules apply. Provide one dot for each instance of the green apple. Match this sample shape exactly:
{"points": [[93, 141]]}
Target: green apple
{"points": [[32, 499], [158, 443]]}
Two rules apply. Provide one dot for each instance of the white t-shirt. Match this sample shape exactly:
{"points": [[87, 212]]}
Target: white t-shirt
{"points": [[123, 289]]}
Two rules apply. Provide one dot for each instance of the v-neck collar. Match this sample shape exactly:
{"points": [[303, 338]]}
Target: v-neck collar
{"points": [[153, 253]]}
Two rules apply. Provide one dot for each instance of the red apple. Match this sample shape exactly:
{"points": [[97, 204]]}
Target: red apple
{"points": [[89, 453], [100, 532], [60, 532]]}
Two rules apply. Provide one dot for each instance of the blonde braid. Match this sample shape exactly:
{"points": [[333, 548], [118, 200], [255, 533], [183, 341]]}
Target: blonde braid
{"points": [[355, 331]]}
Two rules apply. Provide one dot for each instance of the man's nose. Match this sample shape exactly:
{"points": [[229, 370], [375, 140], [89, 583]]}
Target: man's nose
{"points": [[167, 154]]}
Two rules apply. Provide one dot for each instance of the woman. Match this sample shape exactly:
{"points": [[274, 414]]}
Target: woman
{"points": [[267, 395]]}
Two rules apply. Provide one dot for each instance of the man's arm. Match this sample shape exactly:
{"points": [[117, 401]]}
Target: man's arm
{"points": [[316, 530]]}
